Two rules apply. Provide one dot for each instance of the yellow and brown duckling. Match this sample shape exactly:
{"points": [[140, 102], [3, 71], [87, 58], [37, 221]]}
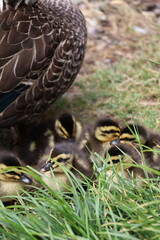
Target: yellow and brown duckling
{"points": [[143, 139], [36, 143], [69, 156], [132, 133], [66, 127], [38, 140], [123, 156], [11, 178], [97, 137]]}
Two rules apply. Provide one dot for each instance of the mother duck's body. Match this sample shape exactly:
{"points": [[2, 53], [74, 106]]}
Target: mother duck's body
{"points": [[42, 45]]}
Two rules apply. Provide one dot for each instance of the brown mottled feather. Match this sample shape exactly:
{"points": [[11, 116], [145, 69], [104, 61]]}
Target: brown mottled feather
{"points": [[42, 45]]}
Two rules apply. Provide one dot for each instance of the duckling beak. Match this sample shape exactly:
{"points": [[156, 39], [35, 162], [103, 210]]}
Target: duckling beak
{"points": [[25, 179], [115, 141], [47, 167]]}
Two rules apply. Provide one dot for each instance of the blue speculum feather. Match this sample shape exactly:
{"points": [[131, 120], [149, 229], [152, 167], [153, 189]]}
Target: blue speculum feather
{"points": [[9, 97]]}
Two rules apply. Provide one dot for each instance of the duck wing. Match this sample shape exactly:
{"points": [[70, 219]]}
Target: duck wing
{"points": [[39, 59], [25, 46]]}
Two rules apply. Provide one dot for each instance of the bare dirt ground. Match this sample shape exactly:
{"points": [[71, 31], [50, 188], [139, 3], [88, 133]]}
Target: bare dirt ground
{"points": [[116, 29]]}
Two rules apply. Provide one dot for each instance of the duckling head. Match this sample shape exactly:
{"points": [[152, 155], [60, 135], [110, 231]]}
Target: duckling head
{"points": [[12, 179], [121, 153], [106, 130], [10, 169], [66, 126], [61, 156], [123, 156], [132, 134]]}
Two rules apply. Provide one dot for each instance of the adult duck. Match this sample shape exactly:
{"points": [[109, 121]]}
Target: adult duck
{"points": [[42, 47]]}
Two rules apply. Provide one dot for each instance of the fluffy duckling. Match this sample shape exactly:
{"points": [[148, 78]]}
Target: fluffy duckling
{"points": [[97, 137], [125, 155], [132, 134], [67, 155], [122, 153], [66, 127], [38, 140], [36, 144], [11, 179], [138, 135]]}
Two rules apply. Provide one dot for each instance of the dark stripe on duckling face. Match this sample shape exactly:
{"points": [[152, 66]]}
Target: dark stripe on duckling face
{"points": [[132, 132], [115, 155], [60, 159], [114, 161], [126, 137], [10, 168], [107, 133], [13, 174], [121, 153], [106, 130]]}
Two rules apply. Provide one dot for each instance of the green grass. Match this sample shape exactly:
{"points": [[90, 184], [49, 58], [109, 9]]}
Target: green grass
{"points": [[106, 210], [125, 90]]}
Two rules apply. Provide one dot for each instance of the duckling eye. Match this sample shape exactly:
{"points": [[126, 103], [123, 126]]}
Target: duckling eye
{"points": [[113, 131], [128, 139], [105, 131], [114, 161], [62, 160], [11, 173], [110, 131]]}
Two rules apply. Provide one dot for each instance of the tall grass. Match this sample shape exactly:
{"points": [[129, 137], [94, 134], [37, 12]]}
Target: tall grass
{"points": [[106, 210]]}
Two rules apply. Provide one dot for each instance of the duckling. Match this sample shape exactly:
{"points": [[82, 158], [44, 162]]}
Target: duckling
{"points": [[143, 139], [37, 141], [67, 155], [132, 134], [97, 137], [66, 127], [11, 179], [35, 145], [127, 155]]}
